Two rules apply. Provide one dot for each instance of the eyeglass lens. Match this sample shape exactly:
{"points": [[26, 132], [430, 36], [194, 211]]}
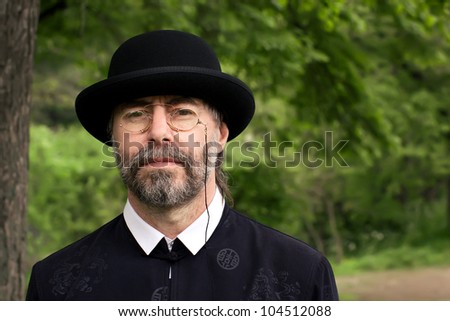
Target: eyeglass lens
{"points": [[139, 120]]}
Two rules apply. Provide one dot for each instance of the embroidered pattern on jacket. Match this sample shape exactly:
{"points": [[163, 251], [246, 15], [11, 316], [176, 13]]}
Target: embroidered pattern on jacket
{"points": [[70, 275], [270, 286]]}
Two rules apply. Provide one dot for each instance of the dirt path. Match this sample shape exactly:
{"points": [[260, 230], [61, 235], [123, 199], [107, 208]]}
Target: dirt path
{"points": [[418, 284]]}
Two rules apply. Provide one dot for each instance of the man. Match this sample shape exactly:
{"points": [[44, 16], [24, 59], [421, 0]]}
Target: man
{"points": [[168, 110]]}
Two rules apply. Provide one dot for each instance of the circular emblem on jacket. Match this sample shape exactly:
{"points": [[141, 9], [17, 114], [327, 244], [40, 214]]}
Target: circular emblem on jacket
{"points": [[228, 259]]}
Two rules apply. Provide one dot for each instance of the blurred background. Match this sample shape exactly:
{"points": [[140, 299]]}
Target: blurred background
{"points": [[373, 195]]}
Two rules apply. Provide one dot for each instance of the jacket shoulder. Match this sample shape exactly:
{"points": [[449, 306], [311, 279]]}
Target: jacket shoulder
{"points": [[98, 236], [55, 270], [267, 234]]}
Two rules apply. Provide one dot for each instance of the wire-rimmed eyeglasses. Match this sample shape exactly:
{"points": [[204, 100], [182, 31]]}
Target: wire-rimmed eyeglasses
{"points": [[139, 120]]}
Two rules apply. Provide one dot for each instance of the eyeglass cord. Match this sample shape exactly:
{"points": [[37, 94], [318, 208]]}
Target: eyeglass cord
{"points": [[206, 176]]}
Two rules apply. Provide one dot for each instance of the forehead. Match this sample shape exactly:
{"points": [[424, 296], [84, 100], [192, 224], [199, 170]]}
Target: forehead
{"points": [[163, 100]]}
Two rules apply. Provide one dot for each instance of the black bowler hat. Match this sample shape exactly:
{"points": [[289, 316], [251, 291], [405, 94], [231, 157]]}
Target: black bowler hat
{"points": [[165, 62]]}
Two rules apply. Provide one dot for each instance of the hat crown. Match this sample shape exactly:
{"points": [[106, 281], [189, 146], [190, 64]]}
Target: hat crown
{"points": [[163, 48]]}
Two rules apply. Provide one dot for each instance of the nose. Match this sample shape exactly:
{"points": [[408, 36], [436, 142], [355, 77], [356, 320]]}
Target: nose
{"points": [[159, 131]]}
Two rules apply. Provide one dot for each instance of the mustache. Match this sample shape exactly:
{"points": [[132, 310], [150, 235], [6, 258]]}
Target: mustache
{"points": [[150, 154]]}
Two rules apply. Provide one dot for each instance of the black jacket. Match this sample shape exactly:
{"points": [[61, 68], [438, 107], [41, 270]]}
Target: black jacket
{"points": [[243, 260]]}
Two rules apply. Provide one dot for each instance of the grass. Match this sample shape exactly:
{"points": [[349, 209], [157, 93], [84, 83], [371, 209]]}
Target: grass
{"points": [[401, 257]]}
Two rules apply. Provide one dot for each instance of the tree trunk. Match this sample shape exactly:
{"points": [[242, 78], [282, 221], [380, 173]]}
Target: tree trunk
{"points": [[339, 248], [18, 24]]}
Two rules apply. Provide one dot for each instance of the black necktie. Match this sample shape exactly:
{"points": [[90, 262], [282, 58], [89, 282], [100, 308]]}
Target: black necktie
{"points": [[161, 251]]}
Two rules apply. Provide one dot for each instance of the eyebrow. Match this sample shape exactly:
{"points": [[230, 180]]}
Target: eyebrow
{"points": [[182, 99], [130, 104], [173, 101]]}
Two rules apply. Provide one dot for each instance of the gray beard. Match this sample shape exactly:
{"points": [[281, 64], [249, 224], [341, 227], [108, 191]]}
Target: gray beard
{"points": [[156, 188]]}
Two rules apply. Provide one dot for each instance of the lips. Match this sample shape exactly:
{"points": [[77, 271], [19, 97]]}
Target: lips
{"points": [[166, 161]]}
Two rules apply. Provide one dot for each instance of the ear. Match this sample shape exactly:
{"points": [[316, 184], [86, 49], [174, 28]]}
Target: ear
{"points": [[223, 135]]}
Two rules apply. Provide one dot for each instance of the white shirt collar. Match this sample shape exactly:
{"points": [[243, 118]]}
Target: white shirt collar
{"points": [[193, 237]]}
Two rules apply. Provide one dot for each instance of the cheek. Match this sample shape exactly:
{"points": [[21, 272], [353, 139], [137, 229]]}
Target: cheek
{"points": [[199, 150], [127, 144], [190, 143]]}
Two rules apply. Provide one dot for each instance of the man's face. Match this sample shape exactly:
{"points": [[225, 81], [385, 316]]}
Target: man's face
{"points": [[160, 147]]}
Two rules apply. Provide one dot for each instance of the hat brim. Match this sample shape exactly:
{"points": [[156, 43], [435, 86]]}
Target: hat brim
{"points": [[229, 95]]}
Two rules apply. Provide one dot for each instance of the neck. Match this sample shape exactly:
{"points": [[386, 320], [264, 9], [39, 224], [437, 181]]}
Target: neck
{"points": [[174, 220]]}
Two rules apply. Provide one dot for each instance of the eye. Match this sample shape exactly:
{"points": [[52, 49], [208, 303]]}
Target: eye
{"points": [[184, 112], [183, 119], [135, 115]]}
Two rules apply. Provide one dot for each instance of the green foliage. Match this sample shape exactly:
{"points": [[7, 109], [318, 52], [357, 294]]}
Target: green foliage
{"points": [[70, 194]]}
